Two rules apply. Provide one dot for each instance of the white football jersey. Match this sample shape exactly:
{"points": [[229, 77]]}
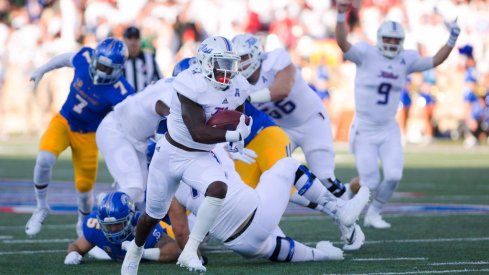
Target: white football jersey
{"points": [[299, 105], [241, 200], [137, 115], [193, 85], [379, 81]]}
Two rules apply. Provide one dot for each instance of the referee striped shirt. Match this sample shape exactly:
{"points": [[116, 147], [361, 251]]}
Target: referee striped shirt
{"points": [[142, 70]]}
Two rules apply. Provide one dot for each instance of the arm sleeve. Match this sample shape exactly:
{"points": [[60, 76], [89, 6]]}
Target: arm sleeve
{"points": [[188, 86], [276, 60], [419, 63], [59, 61], [356, 52]]}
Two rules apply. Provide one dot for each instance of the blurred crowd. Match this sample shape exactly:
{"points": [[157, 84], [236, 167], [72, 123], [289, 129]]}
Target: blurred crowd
{"points": [[449, 102]]}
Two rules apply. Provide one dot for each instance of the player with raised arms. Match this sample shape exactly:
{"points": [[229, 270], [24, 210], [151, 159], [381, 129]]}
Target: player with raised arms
{"points": [[374, 135]]}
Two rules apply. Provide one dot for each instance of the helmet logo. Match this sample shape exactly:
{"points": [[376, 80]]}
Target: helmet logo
{"points": [[251, 41], [203, 48]]}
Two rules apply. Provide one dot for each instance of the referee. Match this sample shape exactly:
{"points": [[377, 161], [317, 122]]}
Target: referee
{"points": [[141, 68]]}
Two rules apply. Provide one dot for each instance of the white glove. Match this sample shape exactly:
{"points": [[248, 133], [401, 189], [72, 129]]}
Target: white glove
{"points": [[454, 30], [36, 76], [235, 147], [73, 258], [242, 128], [125, 245], [246, 155]]}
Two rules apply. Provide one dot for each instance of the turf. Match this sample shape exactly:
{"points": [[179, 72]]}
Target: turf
{"points": [[419, 242]]}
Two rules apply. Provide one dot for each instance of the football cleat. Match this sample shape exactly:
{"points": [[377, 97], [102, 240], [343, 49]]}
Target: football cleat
{"points": [[330, 252], [351, 210], [352, 236], [191, 261], [34, 224], [131, 260], [375, 220]]}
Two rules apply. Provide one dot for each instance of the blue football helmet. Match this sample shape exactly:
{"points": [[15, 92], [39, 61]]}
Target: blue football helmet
{"points": [[115, 213], [107, 61], [184, 64]]}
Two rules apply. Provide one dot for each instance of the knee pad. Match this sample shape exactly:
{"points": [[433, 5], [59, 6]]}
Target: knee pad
{"points": [[44, 166], [303, 179], [284, 250], [336, 187]]}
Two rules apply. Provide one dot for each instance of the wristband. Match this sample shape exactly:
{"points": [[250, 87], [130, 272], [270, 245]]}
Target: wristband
{"points": [[451, 41], [261, 96], [232, 136], [341, 17]]}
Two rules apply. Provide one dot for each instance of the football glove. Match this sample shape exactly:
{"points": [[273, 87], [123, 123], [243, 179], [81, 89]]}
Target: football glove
{"points": [[246, 155], [454, 30], [36, 76], [73, 258]]}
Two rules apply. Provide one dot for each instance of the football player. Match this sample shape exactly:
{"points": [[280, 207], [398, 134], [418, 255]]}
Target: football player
{"points": [[380, 75], [97, 86], [279, 90], [248, 221], [184, 153], [123, 135], [265, 146], [113, 224]]}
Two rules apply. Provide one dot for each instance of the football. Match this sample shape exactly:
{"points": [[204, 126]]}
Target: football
{"points": [[226, 119]]}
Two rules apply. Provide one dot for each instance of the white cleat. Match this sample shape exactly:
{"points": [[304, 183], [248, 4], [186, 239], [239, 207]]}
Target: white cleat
{"points": [[191, 261], [375, 221], [34, 224], [131, 260], [330, 252], [353, 237], [351, 210]]}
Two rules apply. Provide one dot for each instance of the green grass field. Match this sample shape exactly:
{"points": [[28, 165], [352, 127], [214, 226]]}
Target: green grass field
{"points": [[450, 236]]}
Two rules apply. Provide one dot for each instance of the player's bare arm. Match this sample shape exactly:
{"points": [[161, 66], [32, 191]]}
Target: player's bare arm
{"points": [[194, 118], [341, 28], [284, 81], [168, 248], [161, 108], [179, 222], [81, 245], [76, 250]]}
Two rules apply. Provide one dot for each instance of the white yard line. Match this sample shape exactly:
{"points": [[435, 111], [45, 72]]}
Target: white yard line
{"points": [[52, 226], [38, 241], [32, 252], [5, 237], [431, 240], [388, 259], [426, 272], [460, 263]]}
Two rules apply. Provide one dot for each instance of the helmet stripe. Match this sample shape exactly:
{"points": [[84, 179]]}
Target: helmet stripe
{"points": [[228, 45], [394, 26]]}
